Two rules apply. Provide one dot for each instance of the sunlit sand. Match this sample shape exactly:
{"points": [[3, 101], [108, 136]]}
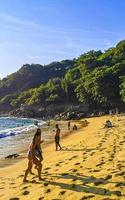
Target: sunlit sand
{"points": [[90, 166]]}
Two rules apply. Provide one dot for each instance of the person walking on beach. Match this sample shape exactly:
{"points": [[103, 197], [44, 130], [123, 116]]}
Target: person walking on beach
{"points": [[57, 138], [35, 155], [68, 125]]}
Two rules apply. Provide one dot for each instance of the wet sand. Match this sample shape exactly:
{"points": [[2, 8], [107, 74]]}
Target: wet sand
{"points": [[47, 136]]}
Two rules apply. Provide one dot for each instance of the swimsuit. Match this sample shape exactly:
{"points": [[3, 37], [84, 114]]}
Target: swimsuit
{"points": [[38, 152], [57, 138]]}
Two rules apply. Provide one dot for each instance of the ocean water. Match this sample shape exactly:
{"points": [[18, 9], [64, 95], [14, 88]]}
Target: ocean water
{"points": [[16, 133]]}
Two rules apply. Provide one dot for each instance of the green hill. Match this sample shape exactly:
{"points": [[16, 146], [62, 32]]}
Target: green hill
{"points": [[95, 78]]}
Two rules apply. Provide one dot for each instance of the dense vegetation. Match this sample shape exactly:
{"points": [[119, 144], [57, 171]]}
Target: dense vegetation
{"points": [[96, 78]]}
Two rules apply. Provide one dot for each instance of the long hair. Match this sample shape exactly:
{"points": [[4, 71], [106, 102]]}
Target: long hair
{"points": [[37, 134]]}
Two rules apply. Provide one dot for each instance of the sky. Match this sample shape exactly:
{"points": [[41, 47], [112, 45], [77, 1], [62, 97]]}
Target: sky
{"points": [[42, 31]]}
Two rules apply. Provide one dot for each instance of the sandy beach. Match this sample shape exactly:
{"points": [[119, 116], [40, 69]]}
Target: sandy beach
{"points": [[90, 166], [47, 136]]}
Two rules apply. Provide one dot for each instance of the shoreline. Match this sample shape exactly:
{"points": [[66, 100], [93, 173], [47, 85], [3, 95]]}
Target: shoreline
{"points": [[6, 162], [86, 168]]}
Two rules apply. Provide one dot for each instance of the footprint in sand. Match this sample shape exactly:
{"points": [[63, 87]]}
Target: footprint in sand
{"points": [[73, 170], [87, 197], [119, 165], [120, 184], [112, 155], [118, 193], [24, 188], [75, 156], [33, 181], [62, 192], [64, 174], [60, 162], [34, 177], [45, 184], [26, 192], [3, 182], [48, 191], [12, 183], [20, 176], [77, 163], [96, 170], [1, 188], [120, 174], [108, 177], [102, 149], [83, 198], [88, 168], [111, 159], [74, 179], [57, 165], [99, 182], [100, 164], [92, 153], [47, 168], [41, 198], [70, 158], [55, 199], [46, 172], [109, 199]]}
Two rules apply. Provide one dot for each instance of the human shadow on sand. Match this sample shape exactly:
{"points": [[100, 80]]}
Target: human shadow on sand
{"points": [[84, 185], [82, 178], [81, 149]]}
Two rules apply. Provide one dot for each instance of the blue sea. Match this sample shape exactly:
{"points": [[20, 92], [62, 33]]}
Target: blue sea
{"points": [[16, 133]]}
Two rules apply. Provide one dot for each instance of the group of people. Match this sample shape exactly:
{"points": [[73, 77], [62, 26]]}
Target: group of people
{"points": [[74, 126], [35, 152]]}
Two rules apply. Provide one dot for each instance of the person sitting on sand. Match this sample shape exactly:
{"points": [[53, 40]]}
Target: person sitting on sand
{"points": [[57, 138], [34, 155], [36, 123], [48, 123], [75, 127], [108, 124]]}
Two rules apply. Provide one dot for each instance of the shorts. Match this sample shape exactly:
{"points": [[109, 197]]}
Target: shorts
{"points": [[57, 139]]}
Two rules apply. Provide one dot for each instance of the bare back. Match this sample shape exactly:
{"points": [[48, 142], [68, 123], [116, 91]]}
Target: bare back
{"points": [[57, 132]]}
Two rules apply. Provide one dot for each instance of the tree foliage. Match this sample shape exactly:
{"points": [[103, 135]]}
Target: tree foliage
{"points": [[96, 77]]}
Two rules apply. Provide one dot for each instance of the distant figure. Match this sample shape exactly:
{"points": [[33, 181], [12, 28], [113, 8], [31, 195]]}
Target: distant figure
{"points": [[75, 127], [68, 125], [49, 123], [108, 124], [34, 155], [85, 123], [116, 111], [57, 138], [36, 123], [110, 112]]}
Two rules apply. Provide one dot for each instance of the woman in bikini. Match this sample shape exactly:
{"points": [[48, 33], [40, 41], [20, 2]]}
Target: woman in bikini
{"points": [[34, 155]]}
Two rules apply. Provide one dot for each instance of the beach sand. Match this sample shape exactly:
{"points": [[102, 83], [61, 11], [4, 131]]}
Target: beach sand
{"points": [[90, 166]]}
